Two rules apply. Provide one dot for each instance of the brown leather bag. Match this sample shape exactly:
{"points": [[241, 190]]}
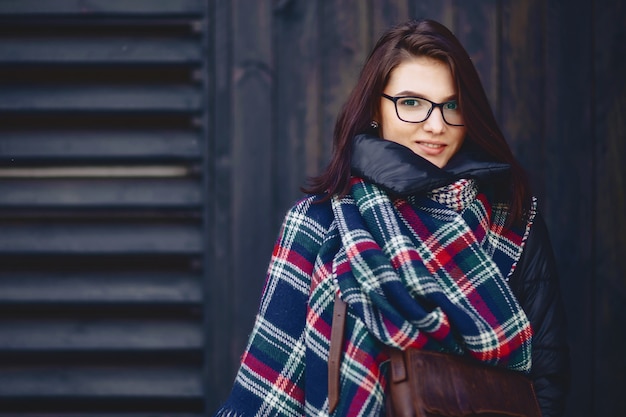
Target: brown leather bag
{"points": [[425, 384], [431, 384]]}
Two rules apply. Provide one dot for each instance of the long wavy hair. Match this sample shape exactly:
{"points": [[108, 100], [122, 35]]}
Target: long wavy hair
{"points": [[413, 39]]}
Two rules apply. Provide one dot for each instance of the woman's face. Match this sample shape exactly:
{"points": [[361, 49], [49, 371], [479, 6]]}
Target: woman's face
{"points": [[432, 139]]}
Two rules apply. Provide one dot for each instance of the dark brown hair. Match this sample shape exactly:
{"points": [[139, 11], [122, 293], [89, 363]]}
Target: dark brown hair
{"points": [[411, 39]]}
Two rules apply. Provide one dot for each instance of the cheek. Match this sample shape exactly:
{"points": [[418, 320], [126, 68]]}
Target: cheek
{"points": [[385, 122], [458, 140], [461, 136], [393, 128]]}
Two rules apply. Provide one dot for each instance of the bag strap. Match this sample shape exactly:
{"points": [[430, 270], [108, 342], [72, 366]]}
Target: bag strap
{"points": [[334, 355], [398, 367]]}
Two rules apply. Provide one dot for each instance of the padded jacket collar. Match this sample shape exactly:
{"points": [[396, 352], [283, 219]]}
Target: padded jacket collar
{"points": [[398, 169]]}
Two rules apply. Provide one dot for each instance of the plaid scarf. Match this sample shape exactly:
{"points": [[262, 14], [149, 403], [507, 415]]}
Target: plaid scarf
{"points": [[414, 272]]}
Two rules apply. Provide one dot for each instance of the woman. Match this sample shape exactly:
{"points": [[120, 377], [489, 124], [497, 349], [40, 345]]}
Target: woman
{"points": [[424, 225]]}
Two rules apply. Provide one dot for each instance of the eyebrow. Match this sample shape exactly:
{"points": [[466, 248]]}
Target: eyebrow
{"points": [[414, 94]]}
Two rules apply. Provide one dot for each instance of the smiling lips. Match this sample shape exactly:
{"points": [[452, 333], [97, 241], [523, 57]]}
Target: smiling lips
{"points": [[432, 147]]}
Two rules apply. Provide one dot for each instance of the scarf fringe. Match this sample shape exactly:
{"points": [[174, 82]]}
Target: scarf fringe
{"points": [[227, 413]]}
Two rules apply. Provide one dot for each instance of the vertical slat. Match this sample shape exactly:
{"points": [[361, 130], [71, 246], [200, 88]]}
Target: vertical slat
{"points": [[441, 10], [206, 74], [477, 29], [252, 146], [385, 14], [568, 199], [298, 143], [609, 58], [222, 356], [523, 111], [346, 42]]}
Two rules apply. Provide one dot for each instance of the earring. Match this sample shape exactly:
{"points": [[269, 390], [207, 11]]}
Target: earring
{"points": [[374, 124]]}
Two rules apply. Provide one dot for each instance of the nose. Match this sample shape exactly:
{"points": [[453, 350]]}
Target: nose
{"points": [[435, 123]]}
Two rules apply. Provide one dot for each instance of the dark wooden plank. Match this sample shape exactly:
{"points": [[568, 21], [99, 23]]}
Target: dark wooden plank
{"points": [[252, 148], [52, 287], [387, 13], [609, 58], [107, 50], [99, 7], [102, 334], [98, 193], [297, 109], [109, 144], [477, 28], [567, 203], [523, 68], [94, 382], [104, 238], [441, 11], [345, 42], [100, 98], [221, 359]]}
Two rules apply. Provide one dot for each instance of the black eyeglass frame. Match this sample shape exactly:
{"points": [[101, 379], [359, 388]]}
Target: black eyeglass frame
{"points": [[432, 106]]}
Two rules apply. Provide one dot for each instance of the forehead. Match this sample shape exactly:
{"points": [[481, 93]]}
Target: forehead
{"points": [[422, 76]]}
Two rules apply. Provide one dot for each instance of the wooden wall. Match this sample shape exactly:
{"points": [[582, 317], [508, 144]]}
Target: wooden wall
{"points": [[554, 72], [150, 148]]}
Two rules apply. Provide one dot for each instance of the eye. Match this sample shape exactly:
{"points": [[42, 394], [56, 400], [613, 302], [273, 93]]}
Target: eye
{"points": [[451, 105], [410, 102]]}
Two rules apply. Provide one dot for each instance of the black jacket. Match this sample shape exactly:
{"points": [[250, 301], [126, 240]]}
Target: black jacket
{"points": [[534, 281], [536, 286]]}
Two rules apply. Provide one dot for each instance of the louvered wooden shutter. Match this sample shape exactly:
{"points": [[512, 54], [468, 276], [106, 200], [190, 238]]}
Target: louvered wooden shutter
{"points": [[103, 165]]}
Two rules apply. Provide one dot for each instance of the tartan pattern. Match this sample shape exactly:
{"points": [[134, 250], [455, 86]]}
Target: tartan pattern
{"points": [[414, 273]]}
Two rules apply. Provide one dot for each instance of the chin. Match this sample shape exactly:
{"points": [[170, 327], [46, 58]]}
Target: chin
{"points": [[439, 162]]}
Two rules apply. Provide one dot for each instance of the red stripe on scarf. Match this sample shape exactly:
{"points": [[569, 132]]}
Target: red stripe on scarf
{"points": [[294, 258], [403, 258], [270, 375]]}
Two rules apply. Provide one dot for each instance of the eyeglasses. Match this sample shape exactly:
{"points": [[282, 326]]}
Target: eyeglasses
{"points": [[413, 109]]}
